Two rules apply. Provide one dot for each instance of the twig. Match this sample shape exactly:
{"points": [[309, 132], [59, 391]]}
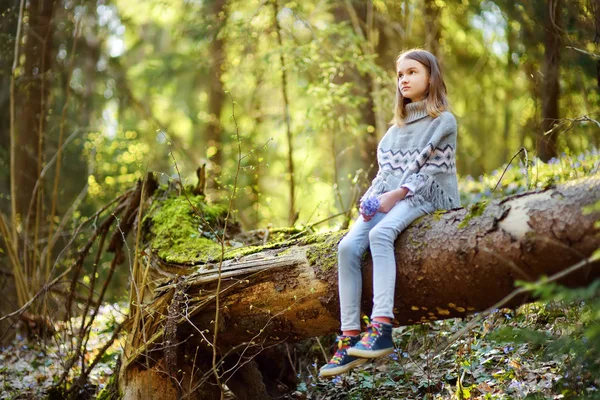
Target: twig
{"points": [[507, 165], [86, 371], [593, 55], [82, 254], [322, 349], [287, 350]]}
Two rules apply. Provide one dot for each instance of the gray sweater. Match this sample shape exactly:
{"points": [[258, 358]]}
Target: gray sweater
{"points": [[420, 157]]}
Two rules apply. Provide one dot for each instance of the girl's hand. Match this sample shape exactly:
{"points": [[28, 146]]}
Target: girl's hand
{"points": [[388, 201], [366, 218]]}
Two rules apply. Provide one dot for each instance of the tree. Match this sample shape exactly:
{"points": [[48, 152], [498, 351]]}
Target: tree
{"points": [[546, 140], [288, 291], [216, 95], [32, 99]]}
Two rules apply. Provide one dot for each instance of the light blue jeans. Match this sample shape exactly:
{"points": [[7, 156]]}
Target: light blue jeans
{"points": [[379, 233]]}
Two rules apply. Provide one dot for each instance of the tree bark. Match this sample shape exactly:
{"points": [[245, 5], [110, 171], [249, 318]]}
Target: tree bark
{"points": [[216, 93], [449, 264], [8, 30], [32, 96], [546, 143], [510, 41], [433, 32]]}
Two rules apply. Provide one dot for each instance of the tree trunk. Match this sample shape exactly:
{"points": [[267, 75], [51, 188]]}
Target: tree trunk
{"points": [[8, 30], [433, 32], [216, 94], [510, 41], [449, 264], [546, 143], [32, 98]]}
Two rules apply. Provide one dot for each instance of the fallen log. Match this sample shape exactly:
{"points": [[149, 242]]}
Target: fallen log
{"points": [[450, 263]]}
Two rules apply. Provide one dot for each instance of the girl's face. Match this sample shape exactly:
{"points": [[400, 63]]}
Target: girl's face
{"points": [[413, 79]]}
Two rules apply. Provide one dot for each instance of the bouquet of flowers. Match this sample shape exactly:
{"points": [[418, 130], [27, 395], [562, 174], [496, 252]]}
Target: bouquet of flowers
{"points": [[370, 205]]}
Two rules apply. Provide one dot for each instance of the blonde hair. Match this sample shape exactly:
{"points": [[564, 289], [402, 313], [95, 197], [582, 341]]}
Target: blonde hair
{"points": [[436, 100]]}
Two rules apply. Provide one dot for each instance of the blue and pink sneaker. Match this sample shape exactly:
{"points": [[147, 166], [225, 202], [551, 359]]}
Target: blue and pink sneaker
{"points": [[341, 362], [375, 342]]}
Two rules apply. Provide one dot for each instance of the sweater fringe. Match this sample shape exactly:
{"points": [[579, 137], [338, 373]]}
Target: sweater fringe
{"points": [[429, 190]]}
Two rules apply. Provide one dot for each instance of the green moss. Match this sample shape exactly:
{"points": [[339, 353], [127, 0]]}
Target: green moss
{"points": [[323, 250], [178, 234], [111, 391], [475, 210], [437, 215], [285, 233]]}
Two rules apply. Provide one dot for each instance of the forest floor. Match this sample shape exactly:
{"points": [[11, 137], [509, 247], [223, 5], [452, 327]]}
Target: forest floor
{"points": [[29, 368], [534, 352], [505, 354]]}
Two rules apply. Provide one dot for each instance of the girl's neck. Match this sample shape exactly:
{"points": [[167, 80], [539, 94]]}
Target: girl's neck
{"points": [[415, 110]]}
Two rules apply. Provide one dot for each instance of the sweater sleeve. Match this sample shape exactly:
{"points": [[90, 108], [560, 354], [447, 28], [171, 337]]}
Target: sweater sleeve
{"points": [[375, 184], [411, 186], [421, 183]]}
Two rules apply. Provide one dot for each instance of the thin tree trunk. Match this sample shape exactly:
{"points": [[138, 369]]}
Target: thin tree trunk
{"points": [[433, 32], [216, 94], [509, 93], [32, 95], [371, 115], [596, 9], [293, 215], [546, 141], [8, 31]]}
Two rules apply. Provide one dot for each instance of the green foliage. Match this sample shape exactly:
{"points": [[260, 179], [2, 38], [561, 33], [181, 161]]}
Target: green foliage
{"points": [[537, 175], [566, 328], [179, 234]]}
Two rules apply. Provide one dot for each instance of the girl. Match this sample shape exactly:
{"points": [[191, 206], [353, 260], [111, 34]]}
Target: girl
{"points": [[416, 176]]}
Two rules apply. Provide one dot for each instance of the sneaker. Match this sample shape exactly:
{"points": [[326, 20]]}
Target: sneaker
{"points": [[341, 362], [376, 341]]}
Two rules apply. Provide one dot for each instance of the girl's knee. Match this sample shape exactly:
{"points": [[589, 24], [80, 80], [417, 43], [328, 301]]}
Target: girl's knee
{"points": [[382, 233], [348, 247]]}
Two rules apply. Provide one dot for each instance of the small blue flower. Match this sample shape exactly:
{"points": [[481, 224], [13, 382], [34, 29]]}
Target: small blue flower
{"points": [[337, 379]]}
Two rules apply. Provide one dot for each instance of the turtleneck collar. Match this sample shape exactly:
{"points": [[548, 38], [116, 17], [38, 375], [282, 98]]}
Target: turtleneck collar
{"points": [[415, 111]]}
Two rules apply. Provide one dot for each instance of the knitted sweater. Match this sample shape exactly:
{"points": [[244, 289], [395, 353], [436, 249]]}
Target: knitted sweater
{"points": [[420, 157]]}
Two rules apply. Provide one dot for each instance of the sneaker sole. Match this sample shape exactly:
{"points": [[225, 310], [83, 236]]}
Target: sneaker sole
{"points": [[353, 351], [341, 369]]}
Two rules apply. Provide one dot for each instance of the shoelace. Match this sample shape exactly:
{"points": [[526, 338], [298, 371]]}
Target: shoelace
{"points": [[343, 343], [373, 331]]}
